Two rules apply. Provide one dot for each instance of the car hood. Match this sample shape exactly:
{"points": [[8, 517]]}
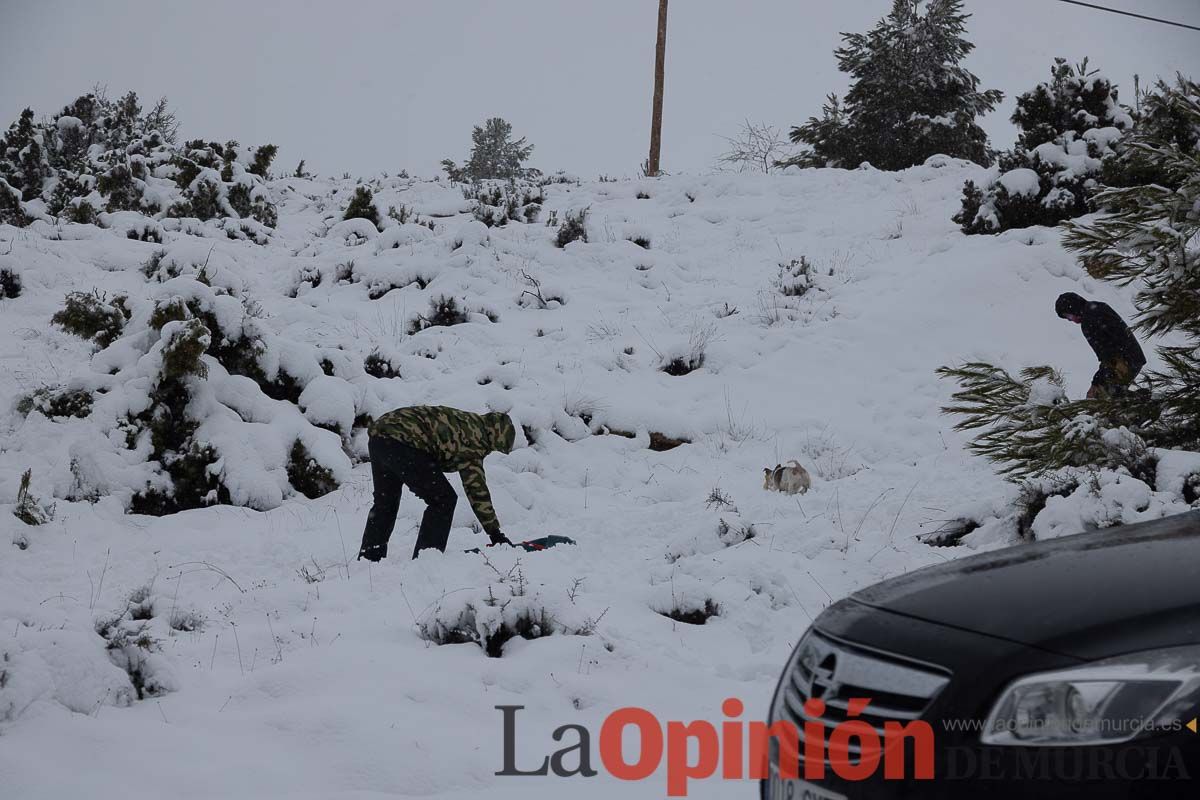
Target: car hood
{"points": [[1087, 596]]}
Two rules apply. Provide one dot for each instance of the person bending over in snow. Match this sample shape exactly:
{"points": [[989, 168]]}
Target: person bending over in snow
{"points": [[414, 447], [1121, 357]]}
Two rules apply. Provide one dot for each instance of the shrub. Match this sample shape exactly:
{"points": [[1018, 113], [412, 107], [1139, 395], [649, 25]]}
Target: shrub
{"points": [[133, 647], [90, 315], [1033, 497], [186, 621], [186, 344], [10, 283], [573, 228], [443, 311], [190, 470], [682, 365], [491, 623], [306, 475], [660, 442], [362, 206], [263, 157], [498, 205], [691, 357], [81, 212], [204, 199], [379, 366], [795, 278], [57, 402], [28, 508], [251, 204], [11, 212], [195, 481], [731, 535], [110, 148], [693, 615], [402, 215]]}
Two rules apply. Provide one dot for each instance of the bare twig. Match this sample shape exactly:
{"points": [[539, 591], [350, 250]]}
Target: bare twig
{"points": [[205, 566], [757, 148]]}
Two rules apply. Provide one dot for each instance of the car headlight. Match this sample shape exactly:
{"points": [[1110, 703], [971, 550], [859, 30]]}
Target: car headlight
{"points": [[1104, 702]]}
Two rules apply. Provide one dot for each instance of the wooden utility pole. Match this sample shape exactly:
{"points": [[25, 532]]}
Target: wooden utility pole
{"points": [[660, 61]]}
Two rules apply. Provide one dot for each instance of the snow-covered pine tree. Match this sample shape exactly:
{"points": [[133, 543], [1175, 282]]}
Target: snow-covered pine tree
{"points": [[362, 206], [1029, 427], [1068, 127], [494, 154], [263, 157], [23, 159], [1160, 118], [11, 212], [910, 97], [1151, 237]]}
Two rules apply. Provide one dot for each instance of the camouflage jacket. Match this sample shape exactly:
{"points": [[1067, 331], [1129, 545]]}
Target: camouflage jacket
{"points": [[458, 441]]}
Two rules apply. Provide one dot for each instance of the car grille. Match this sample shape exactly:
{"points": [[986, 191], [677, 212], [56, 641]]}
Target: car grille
{"points": [[899, 690]]}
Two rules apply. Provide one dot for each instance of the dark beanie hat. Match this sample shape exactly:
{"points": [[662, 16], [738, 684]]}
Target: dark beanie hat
{"points": [[1069, 303]]}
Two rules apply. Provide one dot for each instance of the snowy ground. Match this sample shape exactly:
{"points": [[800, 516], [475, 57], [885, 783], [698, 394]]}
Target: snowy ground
{"points": [[322, 687]]}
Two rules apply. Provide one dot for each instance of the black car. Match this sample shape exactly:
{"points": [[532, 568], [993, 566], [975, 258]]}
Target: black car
{"points": [[1061, 669]]}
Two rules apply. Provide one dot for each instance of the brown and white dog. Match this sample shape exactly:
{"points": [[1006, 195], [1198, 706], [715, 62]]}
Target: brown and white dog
{"points": [[790, 478]]}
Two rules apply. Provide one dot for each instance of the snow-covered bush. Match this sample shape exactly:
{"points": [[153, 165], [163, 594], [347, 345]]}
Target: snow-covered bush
{"points": [[1068, 127], [306, 474], [508, 609], [685, 599], [688, 356], [69, 667], [795, 277], [204, 398], [379, 365], [57, 401], [362, 206], [92, 316], [498, 204], [133, 644], [28, 508], [1067, 501], [444, 311], [10, 283], [572, 229], [11, 210], [100, 156]]}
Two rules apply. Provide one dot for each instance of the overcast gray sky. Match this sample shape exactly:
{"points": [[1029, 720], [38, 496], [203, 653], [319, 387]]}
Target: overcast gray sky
{"points": [[389, 84]]}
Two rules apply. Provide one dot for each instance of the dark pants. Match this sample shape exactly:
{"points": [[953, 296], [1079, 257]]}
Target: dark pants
{"points": [[1113, 379], [393, 466]]}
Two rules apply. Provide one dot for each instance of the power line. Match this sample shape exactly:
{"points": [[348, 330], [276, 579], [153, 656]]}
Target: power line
{"points": [[1131, 14]]}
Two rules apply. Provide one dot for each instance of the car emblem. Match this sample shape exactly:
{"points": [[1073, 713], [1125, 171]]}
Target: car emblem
{"points": [[822, 683]]}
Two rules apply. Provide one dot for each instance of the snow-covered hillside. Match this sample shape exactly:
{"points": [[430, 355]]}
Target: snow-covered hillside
{"points": [[821, 301]]}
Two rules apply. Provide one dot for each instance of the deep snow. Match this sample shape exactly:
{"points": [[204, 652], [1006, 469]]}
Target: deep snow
{"points": [[308, 678]]}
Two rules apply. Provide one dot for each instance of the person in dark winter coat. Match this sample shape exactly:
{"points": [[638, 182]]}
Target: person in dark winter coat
{"points": [[414, 447], [1121, 357]]}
